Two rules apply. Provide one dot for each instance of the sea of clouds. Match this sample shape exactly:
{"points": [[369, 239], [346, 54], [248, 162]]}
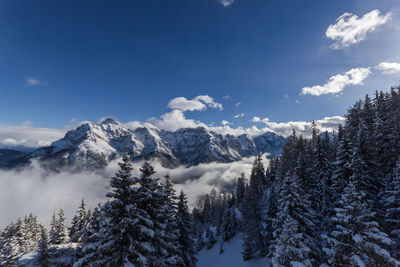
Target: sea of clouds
{"points": [[34, 190]]}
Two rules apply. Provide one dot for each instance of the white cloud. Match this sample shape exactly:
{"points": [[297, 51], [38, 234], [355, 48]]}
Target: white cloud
{"points": [[173, 121], [389, 67], [198, 103], [12, 136], [209, 101], [240, 115], [226, 3], [349, 29], [182, 103], [224, 122], [238, 104], [32, 81], [226, 97], [302, 127], [337, 83]]}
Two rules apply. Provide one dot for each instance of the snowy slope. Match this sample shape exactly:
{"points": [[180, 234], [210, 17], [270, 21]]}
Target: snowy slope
{"points": [[231, 257], [93, 146]]}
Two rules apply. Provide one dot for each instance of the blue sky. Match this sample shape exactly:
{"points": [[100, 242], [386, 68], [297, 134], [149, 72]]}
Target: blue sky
{"points": [[63, 62]]}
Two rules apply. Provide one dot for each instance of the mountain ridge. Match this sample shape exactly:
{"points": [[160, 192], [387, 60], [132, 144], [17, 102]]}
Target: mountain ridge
{"points": [[93, 146]]}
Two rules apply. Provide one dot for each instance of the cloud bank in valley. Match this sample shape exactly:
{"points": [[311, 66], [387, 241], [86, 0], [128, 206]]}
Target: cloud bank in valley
{"points": [[34, 190]]}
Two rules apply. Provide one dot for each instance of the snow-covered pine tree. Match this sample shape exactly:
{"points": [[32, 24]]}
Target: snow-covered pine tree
{"points": [[240, 187], [171, 233], [185, 239], [150, 239], [320, 175], [53, 229], [43, 249], [290, 250], [61, 231], [14, 243], [207, 210], [228, 228], [254, 210], [32, 233], [79, 222], [296, 240], [115, 243], [91, 239], [391, 200], [342, 166], [357, 239]]}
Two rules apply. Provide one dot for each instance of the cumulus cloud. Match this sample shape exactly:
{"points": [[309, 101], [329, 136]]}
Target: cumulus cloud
{"points": [[238, 104], [226, 3], [174, 120], [198, 103], [349, 29], [389, 67], [226, 97], [240, 115], [34, 190], [302, 127], [32, 81], [337, 83]]}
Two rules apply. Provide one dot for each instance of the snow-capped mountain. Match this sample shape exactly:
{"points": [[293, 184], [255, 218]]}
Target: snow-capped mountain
{"points": [[92, 146]]}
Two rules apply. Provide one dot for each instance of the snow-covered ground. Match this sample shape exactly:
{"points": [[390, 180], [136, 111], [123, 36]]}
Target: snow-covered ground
{"points": [[232, 256]]}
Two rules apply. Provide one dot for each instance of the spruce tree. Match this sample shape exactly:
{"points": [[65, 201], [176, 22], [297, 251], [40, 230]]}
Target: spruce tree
{"points": [[79, 222], [43, 249], [240, 187], [391, 200], [228, 228], [53, 229], [357, 239], [115, 243], [61, 234], [296, 239], [254, 209], [185, 239]]}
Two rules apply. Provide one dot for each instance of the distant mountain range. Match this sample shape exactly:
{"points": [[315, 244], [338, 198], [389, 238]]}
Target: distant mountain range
{"points": [[93, 146]]}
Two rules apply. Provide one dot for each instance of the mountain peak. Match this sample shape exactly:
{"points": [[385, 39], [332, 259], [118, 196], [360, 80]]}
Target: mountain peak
{"points": [[109, 121]]}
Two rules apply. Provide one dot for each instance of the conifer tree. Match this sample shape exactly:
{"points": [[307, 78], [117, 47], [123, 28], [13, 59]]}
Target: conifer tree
{"points": [[228, 227], [115, 243], [61, 232], [53, 229], [185, 239], [79, 222], [171, 229], [391, 200], [254, 209], [43, 249], [296, 239], [357, 239], [240, 187]]}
